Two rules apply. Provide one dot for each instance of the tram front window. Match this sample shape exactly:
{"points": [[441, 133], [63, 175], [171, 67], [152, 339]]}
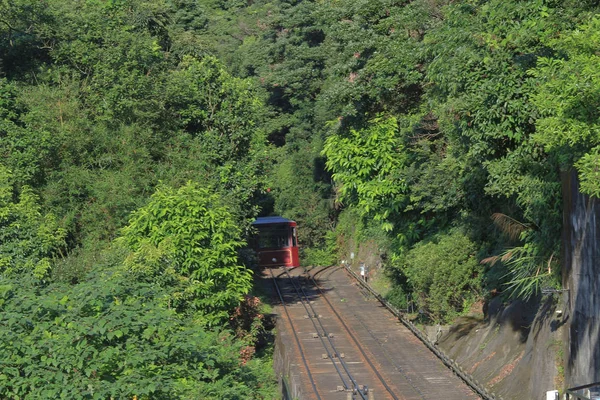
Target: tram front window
{"points": [[274, 238]]}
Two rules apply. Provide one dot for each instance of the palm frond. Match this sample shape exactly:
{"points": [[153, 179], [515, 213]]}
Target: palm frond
{"points": [[525, 287], [525, 272], [491, 261], [510, 226]]}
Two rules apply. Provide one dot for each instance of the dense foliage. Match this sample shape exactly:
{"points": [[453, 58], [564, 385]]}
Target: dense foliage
{"points": [[443, 292], [139, 138], [28, 238], [433, 117], [112, 337], [131, 166], [187, 241]]}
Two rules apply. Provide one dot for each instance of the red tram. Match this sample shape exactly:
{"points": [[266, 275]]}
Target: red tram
{"points": [[276, 244]]}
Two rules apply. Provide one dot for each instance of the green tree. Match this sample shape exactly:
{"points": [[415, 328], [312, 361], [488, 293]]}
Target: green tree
{"points": [[211, 103], [480, 97], [21, 48], [367, 166], [567, 98], [187, 238], [443, 274], [29, 239], [112, 337]]}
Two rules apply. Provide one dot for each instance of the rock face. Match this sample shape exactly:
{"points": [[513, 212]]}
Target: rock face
{"points": [[581, 276], [513, 351], [521, 350]]}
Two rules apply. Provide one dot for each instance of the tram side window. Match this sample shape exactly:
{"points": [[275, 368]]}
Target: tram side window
{"points": [[294, 237], [273, 238]]}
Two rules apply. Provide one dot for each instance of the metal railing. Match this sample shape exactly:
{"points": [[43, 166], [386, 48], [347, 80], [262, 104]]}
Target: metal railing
{"points": [[585, 392]]}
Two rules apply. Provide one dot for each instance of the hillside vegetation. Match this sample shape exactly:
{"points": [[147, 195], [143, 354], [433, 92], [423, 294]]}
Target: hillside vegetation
{"points": [[139, 139], [431, 133]]}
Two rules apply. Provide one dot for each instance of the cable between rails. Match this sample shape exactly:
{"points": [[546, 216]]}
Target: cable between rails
{"points": [[355, 386], [310, 315], [310, 377], [354, 339]]}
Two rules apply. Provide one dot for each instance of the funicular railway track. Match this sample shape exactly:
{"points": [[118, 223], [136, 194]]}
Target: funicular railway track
{"points": [[346, 341], [375, 356], [359, 388], [346, 377], [365, 326], [352, 335]]}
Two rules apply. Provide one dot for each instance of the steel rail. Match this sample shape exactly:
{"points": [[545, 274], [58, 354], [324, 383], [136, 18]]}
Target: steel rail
{"points": [[385, 353], [358, 346], [311, 316], [310, 377], [331, 269], [355, 384]]}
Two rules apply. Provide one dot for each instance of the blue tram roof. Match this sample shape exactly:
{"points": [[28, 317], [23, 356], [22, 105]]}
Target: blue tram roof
{"points": [[271, 220]]}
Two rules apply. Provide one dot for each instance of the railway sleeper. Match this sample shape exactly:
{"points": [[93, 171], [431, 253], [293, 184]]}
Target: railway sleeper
{"points": [[316, 335]]}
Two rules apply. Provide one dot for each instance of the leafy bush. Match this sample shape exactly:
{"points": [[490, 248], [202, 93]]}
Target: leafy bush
{"points": [[318, 257], [444, 275], [365, 165], [188, 239], [398, 297], [28, 238], [111, 337]]}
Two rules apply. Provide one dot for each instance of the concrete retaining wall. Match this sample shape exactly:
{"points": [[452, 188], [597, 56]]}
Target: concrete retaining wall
{"points": [[581, 276], [287, 372]]}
